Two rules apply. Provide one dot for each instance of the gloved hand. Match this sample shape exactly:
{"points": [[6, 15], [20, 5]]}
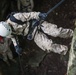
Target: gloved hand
{"points": [[35, 23], [18, 50], [42, 16], [29, 37]]}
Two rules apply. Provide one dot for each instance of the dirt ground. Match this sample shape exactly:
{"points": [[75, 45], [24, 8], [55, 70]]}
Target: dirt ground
{"points": [[50, 64]]}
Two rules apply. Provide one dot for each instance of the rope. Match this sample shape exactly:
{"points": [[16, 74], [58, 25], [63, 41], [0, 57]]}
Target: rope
{"points": [[55, 7]]}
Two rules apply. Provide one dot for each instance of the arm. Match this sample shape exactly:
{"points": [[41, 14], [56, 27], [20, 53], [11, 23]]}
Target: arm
{"points": [[27, 16]]}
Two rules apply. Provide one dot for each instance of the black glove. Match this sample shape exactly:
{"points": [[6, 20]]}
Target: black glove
{"points": [[18, 50], [34, 24], [29, 37], [42, 16]]}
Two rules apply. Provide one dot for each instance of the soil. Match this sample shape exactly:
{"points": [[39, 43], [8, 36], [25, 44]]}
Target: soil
{"points": [[52, 63]]}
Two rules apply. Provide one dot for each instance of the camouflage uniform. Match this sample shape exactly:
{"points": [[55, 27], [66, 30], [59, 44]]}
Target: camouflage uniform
{"points": [[40, 38]]}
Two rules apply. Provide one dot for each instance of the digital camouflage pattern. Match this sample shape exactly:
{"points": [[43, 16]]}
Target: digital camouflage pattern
{"points": [[40, 37]]}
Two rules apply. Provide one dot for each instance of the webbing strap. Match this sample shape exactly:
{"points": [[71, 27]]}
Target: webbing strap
{"points": [[13, 19]]}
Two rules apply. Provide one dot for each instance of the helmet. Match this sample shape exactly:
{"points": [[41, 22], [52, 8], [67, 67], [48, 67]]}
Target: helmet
{"points": [[5, 29]]}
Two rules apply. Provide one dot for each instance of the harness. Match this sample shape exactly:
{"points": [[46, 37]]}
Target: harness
{"points": [[19, 22], [13, 19]]}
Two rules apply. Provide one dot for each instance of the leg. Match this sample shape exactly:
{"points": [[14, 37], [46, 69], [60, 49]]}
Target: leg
{"points": [[51, 29], [47, 44]]}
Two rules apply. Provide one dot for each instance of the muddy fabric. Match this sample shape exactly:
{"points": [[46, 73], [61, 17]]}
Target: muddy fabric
{"points": [[40, 38]]}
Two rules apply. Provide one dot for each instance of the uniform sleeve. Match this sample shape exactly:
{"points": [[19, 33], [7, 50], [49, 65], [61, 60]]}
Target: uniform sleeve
{"points": [[27, 16]]}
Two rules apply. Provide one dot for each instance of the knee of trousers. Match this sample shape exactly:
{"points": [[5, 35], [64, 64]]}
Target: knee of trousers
{"points": [[42, 41]]}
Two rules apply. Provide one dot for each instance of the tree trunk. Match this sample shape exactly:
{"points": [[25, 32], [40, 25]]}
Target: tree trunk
{"points": [[72, 57]]}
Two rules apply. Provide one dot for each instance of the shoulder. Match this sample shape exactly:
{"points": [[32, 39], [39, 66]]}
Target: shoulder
{"points": [[17, 15]]}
